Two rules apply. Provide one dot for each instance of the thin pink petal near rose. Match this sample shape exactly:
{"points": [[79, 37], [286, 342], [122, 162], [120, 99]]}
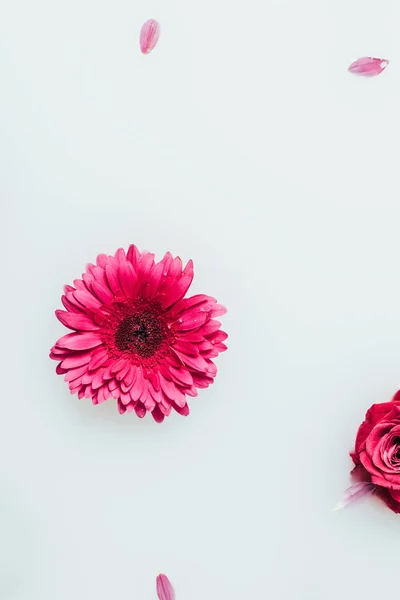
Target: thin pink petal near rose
{"points": [[354, 493], [149, 35], [165, 591], [369, 67]]}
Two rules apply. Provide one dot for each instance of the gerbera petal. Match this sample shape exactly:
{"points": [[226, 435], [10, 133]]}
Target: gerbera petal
{"points": [[191, 391], [76, 360], [194, 362], [98, 360], [133, 255], [204, 346], [86, 299], [218, 310], [140, 410], [71, 304], [154, 279], [113, 281], [166, 410], [177, 290], [173, 360], [102, 394], [210, 327], [148, 401], [219, 336], [125, 399], [121, 407], [157, 414], [89, 391], [221, 347], [182, 376], [99, 275], [121, 374], [155, 380], [59, 369], [145, 266], [73, 374], [175, 268], [119, 365], [202, 380], [138, 387], [130, 376], [120, 255], [190, 320], [79, 284], [127, 278], [98, 379], [168, 387], [192, 337], [211, 353], [102, 260], [198, 301], [76, 321], [75, 385], [116, 393], [186, 348], [80, 341], [112, 385], [102, 292], [211, 369], [182, 410]]}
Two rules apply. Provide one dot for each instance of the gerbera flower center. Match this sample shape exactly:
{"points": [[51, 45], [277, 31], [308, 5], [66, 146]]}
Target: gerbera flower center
{"points": [[137, 330], [140, 333]]}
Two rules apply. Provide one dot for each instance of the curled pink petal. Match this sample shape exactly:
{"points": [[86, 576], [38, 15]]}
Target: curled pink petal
{"points": [[165, 591], [354, 493], [149, 35], [369, 67]]}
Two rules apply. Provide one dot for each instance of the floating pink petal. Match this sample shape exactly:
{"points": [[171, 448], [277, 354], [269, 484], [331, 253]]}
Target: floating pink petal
{"points": [[354, 493], [369, 67], [165, 591], [149, 35]]}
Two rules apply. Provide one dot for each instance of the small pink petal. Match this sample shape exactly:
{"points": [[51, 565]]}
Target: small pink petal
{"points": [[149, 35], [165, 591], [354, 493], [369, 67]]}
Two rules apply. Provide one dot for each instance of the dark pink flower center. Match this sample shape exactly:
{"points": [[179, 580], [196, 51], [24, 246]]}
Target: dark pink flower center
{"points": [[137, 329], [141, 334]]}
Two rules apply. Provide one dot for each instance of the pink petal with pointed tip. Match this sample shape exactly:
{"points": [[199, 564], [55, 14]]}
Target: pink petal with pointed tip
{"points": [[76, 321], [369, 67], [79, 341], [149, 35], [354, 493]]}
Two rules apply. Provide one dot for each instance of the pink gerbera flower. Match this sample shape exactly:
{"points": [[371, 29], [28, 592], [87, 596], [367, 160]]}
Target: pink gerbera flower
{"points": [[135, 337]]}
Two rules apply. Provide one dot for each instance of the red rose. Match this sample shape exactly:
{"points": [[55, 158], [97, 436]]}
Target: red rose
{"points": [[377, 451]]}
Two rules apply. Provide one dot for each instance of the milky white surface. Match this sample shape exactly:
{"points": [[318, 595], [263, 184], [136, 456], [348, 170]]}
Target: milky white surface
{"points": [[242, 142]]}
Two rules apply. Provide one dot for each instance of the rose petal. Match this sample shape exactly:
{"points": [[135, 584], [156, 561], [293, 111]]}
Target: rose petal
{"points": [[149, 36], [165, 591], [354, 493], [368, 66]]}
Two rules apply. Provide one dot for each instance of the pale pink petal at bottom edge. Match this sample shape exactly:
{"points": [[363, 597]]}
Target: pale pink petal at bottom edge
{"points": [[354, 493], [368, 66], [165, 591]]}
